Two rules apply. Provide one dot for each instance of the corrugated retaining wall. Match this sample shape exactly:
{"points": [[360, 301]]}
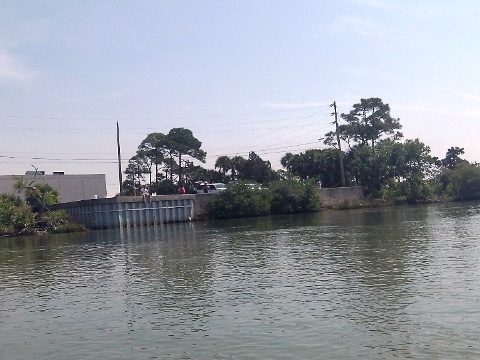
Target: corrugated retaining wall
{"points": [[128, 211]]}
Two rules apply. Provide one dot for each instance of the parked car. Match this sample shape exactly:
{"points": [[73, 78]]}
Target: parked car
{"points": [[211, 188], [252, 186], [216, 187]]}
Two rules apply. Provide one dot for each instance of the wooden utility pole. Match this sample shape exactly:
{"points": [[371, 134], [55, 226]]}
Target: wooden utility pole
{"points": [[119, 161], [340, 154]]}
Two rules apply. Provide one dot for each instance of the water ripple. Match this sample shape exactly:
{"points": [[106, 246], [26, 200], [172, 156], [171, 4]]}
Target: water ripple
{"points": [[385, 283]]}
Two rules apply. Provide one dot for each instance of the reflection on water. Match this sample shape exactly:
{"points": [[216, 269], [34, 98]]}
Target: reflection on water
{"points": [[377, 283]]}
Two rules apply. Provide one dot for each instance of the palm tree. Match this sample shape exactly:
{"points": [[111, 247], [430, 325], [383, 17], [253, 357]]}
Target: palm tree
{"points": [[286, 162], [224, 164], [237, 164]]}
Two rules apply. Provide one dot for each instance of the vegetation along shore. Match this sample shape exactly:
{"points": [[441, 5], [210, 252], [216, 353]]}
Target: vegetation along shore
{"points": [[366, 149]]}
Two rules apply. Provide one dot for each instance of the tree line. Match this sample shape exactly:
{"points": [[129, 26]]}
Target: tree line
{"points": [[374, 153], [163, 162]]}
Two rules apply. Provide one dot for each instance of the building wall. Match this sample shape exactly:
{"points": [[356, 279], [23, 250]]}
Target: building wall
{"points": [[70, 187]]}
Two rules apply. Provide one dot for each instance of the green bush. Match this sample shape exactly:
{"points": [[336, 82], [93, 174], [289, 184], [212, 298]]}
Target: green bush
{"points": [[239, 200], [282, 197], [40, 196], [15, 216], [55, 218], [59, 221], [408, 191], [165, 187], [464, 182], [292, 196]]}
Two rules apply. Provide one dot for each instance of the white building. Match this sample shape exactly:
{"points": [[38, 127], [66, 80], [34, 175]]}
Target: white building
{"points": [[70, 187]]}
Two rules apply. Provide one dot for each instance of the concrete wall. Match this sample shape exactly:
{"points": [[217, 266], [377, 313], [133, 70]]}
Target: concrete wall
{"points": [[341, 196], [200, 203], [330, 197], [70, 187]]}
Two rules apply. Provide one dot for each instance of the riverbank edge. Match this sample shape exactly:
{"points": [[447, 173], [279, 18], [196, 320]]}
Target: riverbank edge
{"points": [[40, 229], [72, 226]]}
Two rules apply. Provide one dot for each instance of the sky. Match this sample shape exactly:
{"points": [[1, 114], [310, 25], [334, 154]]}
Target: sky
{"points": [[241, 75]]}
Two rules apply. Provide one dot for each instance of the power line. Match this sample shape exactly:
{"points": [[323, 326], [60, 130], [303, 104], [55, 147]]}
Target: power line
{"points": [[112, 160], [262, 151], [51, 159], [279, 137], [106, 131], [273, 131], [275, 147], [160, 118]]}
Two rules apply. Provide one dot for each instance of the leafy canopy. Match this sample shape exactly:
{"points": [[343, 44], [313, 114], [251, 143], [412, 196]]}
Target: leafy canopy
{"points": [[367, 123]]}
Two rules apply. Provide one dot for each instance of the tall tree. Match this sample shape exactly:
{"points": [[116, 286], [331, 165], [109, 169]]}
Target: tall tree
{"points": [[448, 165], [135, 175], [238, 164], [368, 122], [224, 164], [452, 157], [153, 148], [182, 142], [389, 162], [287, 163], [256, 169], [322, 165]]}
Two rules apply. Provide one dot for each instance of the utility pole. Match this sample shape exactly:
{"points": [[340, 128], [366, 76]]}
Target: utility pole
{"points": [[340, 154], [119, 161]]}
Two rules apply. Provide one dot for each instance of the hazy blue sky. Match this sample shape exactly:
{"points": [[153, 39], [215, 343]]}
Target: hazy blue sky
{"points": [[242, 75]]}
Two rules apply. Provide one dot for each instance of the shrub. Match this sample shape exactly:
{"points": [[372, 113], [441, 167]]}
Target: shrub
{"points": [[239, 200], [292, 196], [15, 216], [464, 182], [408, 191], [56, 217], [40, 196], [58, 221], [165, 187]]}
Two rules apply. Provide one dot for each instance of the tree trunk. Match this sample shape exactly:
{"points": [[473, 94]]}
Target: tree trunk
{"points": [[179, 168]]}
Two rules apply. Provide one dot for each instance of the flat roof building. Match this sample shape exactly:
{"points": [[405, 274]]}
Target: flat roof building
{"points": [[70, 187]]}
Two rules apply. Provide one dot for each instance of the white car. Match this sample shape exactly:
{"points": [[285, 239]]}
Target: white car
{"points": [[211, 188], [216, 187]]}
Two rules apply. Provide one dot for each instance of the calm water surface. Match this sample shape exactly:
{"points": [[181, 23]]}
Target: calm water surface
{"points": [[377, 284]]}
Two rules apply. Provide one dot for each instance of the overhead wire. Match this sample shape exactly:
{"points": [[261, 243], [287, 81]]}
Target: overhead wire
{"points": [[268, 136], [113, 160], [275, 147], [158, 118], [109, 130]]}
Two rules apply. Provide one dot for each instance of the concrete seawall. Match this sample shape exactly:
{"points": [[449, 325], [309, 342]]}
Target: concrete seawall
{"points": [[341, 196], [128, 211], [132, 211]]}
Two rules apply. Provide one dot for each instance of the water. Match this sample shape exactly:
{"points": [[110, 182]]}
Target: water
{"points": [[371, 283]]}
